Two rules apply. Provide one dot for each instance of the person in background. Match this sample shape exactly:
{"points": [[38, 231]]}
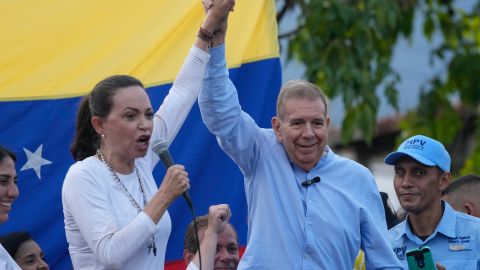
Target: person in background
{"points": [[463, 195], [24, 250], [8, 194], [218, 241], [115, 215], [390, 216], [422, 172], [308, 207]]}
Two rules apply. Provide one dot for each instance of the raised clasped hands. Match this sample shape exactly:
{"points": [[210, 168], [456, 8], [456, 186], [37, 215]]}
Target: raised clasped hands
{"points": [[222, 4], [217, 12]]}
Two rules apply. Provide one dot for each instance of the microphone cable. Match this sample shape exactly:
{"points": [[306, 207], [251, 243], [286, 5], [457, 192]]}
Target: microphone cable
{"points": [[195, 226], [160, 147]]}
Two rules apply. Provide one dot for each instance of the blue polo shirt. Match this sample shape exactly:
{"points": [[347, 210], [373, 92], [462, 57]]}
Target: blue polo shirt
{"points": [[455, 243]]}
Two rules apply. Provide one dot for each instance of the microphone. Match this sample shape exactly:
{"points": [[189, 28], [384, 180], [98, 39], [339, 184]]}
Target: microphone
{"points": [[312, 181], [160, 147]]}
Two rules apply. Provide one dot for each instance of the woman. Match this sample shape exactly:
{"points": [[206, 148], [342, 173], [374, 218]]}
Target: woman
{"points": [[8, 193], [26, 252], [115, 216]]}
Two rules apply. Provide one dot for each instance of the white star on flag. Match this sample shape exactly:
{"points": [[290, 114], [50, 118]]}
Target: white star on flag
{"points": [[35, 161]]}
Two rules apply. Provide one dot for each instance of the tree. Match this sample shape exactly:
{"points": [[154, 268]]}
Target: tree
{"points": [[347, 45]]}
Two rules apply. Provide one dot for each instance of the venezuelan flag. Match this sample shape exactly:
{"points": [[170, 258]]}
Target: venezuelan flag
{"points": [[53, 52]]}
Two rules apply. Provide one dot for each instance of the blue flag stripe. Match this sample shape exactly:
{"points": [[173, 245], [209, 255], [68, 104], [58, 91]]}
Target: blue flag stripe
{"points": [[51, 123]]}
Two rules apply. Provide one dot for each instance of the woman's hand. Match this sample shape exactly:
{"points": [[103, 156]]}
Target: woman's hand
{"points": [[215, 23], [217, 14], [218, 9], [174, 183]]}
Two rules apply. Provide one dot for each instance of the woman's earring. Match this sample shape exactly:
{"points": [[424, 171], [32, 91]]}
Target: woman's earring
{"points": [[103, 136]]}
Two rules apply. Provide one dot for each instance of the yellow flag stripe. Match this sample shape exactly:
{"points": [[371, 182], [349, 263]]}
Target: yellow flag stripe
{"points": [[56, 48]]}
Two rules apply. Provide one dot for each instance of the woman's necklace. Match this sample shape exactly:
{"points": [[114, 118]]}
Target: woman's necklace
{"points": [[151, 245]]}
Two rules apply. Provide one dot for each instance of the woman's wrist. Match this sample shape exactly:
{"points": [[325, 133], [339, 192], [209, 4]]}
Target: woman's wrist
{"points": [[157, 206]]}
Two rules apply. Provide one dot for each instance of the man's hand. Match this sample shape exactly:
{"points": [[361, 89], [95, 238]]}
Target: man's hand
{"points": [[216, 8], [218, 217], [207, 4]]}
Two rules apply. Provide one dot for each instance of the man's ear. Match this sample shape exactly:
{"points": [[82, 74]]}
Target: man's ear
{"points": [[469, 208], [187, 256], [97, 124], [445, 180], [276, 128]]}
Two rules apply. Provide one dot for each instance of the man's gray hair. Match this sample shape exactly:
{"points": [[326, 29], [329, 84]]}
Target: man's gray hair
{"points": [[299, 89]]}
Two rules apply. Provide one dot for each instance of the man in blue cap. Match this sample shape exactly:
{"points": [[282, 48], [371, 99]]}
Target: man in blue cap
{"points": [[422, 172]]}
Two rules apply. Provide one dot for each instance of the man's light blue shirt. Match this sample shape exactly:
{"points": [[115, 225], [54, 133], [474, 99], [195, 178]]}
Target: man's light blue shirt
{"points": [[290, 226], [455, 243]]}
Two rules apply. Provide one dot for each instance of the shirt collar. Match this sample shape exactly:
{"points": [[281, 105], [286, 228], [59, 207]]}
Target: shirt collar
{"points": [[448, 222], [446, 226], [302, 175], [403, 228]]}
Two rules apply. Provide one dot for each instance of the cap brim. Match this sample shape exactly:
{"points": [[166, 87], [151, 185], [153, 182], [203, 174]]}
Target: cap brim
{"points": [[393, 157]]}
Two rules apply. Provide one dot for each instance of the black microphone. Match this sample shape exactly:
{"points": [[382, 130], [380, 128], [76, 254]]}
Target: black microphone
{"points": [[312, 181], [160, 147]]}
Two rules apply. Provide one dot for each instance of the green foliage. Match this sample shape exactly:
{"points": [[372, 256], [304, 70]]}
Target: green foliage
{"points": [[435, 117], [472, 163], [438, 114], [347, 45], [347, 48]]}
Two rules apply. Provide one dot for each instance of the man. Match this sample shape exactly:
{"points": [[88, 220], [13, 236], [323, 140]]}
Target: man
{"points": [[422, 172], [218, 240], [308, 208], [464, 195]]}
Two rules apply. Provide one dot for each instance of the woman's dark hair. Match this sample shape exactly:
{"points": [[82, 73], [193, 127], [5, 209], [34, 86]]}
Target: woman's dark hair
{"points": [[11, 242], [4, 152], [97, 103]]}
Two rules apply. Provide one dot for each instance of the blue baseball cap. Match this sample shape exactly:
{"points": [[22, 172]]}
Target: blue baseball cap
{"points": [[423, 149]]}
